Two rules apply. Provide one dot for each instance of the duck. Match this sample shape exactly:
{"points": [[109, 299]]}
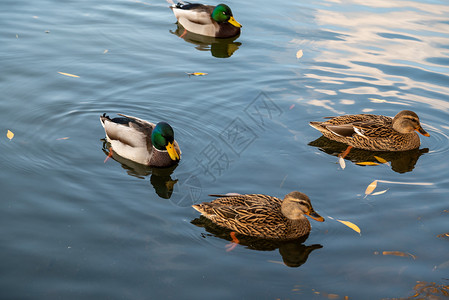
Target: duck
{"points": [[214, 21], [141, 141], [374, 132], [262, 216]]}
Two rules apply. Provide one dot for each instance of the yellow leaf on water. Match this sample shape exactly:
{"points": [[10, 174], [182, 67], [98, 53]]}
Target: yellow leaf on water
{"points": [[371, 187], [381, 160], [68, 74], [398, 253], [367, 163], [9, 134], [350, 225], [379, 193], [342, 163], [299, 54], [197, 74]]}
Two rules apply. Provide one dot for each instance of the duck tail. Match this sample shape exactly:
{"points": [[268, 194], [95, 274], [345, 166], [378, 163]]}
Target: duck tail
{"points": [[316, 125], [173, 4], [103, 118]]}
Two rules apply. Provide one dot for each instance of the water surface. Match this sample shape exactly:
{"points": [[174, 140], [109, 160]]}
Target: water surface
{"points": [[75, 227]]}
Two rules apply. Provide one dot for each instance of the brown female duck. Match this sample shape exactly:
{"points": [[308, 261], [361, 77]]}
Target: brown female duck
{"points": [[261, 215], [374, 132]]}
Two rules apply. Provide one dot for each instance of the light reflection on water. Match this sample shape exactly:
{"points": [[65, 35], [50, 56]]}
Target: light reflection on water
{"points": [[76, 227]]}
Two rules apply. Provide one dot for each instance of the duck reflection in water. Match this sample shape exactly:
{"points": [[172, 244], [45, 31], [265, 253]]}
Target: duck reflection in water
{"points": [[160, 178], [401, 161], [293, 252], [219, 47]]}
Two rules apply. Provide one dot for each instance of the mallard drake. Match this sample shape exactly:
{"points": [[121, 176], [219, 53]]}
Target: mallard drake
{"points": [[141, 141], [374, 132], [261, 215], [215, 21]]}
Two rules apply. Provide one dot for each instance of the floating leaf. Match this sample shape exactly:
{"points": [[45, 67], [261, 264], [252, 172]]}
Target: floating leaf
{"points": [[379, 193], [299, 54], [68, 74], [443, 265], [197, 74], [276, 262], [371, 187], [63, 138], [17, 36], [443, 235], [398, 253], [367, 163], [381, 160], [411, 183], [291, 106], [9, 134], [350, 225], [342, 163], [105, 51]]}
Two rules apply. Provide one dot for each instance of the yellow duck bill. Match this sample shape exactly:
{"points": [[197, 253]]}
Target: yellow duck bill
{"points": [[172, 151], [234, 22]]}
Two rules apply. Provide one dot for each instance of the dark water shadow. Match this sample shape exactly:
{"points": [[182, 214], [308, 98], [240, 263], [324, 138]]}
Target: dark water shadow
{"points": [[221, 48], [160, 178], [293, 252], [400, 162]]}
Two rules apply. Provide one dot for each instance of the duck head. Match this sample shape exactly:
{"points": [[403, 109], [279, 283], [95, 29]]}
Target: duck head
{"points": [[296, 205], [222, 13], [407, 121], [163, 139]]}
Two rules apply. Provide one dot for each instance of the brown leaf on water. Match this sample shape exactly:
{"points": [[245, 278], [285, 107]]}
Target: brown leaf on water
{"points": [[299, 54], [443, 235], [371, 187], [367, 163], [342, 163], [9, 134], [63, 138], [351, 225], [69, 75], [398, 253]]}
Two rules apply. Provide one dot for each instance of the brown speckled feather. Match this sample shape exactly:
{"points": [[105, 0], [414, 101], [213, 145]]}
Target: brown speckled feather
{"points": [[254, 215], [369, 132]]}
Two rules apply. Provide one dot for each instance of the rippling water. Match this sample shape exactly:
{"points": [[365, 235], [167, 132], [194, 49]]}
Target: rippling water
{"points": [[75, 227]]}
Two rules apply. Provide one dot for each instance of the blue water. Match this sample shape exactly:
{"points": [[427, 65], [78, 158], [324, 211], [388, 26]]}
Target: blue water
{"points": [[76, 227]]}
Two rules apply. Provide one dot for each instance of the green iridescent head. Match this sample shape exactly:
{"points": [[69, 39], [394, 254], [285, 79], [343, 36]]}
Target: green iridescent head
{"points": [[163, 138], [222, 13]]}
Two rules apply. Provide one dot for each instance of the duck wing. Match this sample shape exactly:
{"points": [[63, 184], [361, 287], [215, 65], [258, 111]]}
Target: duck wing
{"points": [[366, 125], [247, 200], [193, 12], [128, 130]]}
